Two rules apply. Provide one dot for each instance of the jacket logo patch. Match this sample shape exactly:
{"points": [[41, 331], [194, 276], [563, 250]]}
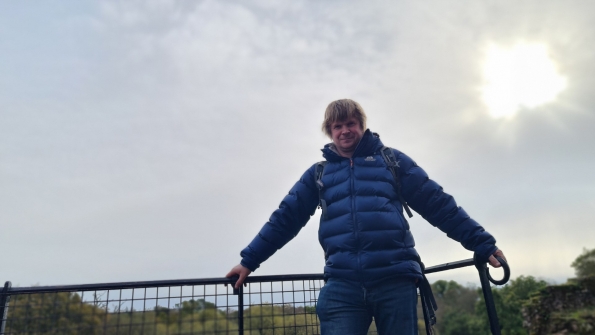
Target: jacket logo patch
{"points": [[370, 159]]}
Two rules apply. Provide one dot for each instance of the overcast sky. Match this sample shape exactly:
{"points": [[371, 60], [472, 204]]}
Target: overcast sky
{"points": [[145, 140]]}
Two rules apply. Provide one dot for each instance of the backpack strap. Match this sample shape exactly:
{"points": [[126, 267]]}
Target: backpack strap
{"points": [[391, 162], [428, 302], [319, 172]]}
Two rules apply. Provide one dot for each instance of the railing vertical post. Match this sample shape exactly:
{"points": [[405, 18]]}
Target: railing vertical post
{"points": [[4, 300], [488, 297], [240, 293]]}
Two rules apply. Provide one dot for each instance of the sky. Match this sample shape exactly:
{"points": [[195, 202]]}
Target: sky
{"points": [[149, 140]]}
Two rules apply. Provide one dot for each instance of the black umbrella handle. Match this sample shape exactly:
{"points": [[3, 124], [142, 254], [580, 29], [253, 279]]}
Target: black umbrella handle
{"points": [[506, 269]]}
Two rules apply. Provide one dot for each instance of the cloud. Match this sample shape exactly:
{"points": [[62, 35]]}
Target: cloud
{"points": [[160, 133]]}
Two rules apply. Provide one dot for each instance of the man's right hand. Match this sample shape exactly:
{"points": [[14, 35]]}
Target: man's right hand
{"points": [[241, 271]]}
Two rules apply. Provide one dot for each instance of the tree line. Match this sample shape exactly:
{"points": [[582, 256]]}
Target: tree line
{"points": [[66, 313]]}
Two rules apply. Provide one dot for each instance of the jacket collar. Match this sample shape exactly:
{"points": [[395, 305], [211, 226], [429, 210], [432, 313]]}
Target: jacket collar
{"points": [[369, 143]]}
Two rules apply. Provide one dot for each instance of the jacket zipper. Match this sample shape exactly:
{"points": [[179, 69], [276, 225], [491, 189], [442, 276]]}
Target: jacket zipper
{"points": [[355, 226]]}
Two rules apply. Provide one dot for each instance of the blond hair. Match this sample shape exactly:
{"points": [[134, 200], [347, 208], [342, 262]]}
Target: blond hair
{"points": [[341, 110]]}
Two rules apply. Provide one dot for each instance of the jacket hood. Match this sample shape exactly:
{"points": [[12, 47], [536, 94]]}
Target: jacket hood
{"points": [[369, 143]]}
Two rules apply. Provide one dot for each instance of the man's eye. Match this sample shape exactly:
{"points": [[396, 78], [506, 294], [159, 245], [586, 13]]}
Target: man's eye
{"points": [[337, 127]]}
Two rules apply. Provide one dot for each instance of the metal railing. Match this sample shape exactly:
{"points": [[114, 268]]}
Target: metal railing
{"points": [[284, 304]]}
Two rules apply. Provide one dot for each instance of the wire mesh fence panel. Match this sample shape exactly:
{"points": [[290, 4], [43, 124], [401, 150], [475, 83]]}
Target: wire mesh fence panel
{"points": [[268, 305], [271, 307], [287, 307]]}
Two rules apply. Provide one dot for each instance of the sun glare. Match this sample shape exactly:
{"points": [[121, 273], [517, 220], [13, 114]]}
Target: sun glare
{"points": [[523, 76]]}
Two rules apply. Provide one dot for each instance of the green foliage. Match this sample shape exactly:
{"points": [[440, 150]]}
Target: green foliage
{"points": [[563, 309], [462, 309], [62, 313], [461, 299], [67, 313], [509, 301], [584, 265], [268, 319], [456, 308], [461, 324]]}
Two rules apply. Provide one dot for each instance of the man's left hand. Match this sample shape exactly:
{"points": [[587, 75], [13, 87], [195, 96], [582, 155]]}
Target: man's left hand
{"points": [[493, 261]]}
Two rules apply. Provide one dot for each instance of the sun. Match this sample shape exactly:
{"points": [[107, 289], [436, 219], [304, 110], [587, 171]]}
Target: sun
{"points": [[523, 76]]}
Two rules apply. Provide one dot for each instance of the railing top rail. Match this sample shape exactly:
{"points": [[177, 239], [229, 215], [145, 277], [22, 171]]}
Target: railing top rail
{"points": [[157, 283], [450, 266], [201, 281]]}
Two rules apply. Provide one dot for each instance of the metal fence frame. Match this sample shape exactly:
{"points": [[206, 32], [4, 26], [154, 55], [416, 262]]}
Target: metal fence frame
{"points": [[8, 291]]}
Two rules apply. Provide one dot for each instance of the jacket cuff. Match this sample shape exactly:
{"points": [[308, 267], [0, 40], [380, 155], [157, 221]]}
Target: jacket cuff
{"points": [[483, 253], [252, 266]]}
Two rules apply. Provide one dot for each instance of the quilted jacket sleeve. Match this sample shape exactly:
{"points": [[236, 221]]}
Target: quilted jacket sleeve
{"points": [[284, 224], [428, 199]]}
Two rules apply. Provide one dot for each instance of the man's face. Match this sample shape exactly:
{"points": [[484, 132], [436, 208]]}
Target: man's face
{"points": [[346, 135]]}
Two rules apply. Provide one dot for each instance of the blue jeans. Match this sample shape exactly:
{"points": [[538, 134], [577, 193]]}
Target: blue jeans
{"points": [[347, 308]]}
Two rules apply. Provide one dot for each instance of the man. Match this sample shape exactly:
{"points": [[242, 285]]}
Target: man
{"points": [[371, 266]]}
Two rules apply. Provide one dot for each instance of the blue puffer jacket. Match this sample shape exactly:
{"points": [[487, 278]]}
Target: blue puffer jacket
{"points": [[365, 236]]}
